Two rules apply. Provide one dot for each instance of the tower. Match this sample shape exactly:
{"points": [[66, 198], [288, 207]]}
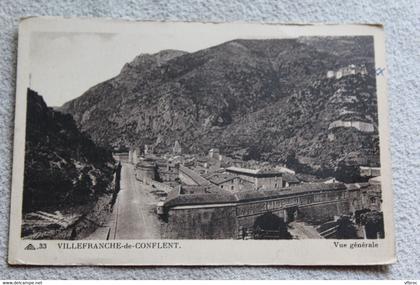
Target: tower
{"points": [[177, 149]]}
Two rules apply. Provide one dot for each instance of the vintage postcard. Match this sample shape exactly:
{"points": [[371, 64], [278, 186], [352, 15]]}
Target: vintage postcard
{"points": [[172, 143]]}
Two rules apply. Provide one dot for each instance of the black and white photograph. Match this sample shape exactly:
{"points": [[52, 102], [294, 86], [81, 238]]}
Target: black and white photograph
{"points": [[224, 135]]}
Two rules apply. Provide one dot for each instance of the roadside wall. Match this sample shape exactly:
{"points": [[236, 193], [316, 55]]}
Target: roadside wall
{"points": [[159, 186], [216, 222], [202, 223], [323, 212]]}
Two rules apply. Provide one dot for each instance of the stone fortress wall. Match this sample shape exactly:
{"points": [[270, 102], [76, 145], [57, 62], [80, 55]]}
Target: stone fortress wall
{"points": [[361, 126]]}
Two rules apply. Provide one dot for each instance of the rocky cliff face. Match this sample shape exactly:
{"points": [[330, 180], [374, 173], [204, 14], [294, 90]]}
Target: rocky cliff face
{"points": [[258, 99], [63, 167]]}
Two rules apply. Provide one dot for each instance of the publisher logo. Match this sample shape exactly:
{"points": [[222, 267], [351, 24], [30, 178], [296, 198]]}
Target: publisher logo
{"points": [[30, 247]]}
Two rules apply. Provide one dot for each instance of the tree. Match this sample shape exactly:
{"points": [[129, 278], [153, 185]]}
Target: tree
{"points": [[347, 173], [374, 224], [346, 229], [83, 188]]}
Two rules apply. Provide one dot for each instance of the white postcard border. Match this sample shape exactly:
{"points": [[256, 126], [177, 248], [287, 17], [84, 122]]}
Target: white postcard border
{"points": [[199, 252]]}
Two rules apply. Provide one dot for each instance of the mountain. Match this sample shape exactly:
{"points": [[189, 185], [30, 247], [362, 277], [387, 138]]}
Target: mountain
{"points": [[257, 99], [63, 167]]}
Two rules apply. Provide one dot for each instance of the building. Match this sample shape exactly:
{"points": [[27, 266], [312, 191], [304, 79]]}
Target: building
{"points": [[373, 195], [136, 155], [133, 155], [261, 178], [130, 156], [289, 179], [197, 212], [330, 74], [121, 156], [148, 149], [359, 125], [214, 153], [146, 170], [167, 169], [366, 171], [189, 176], [174, 161], [229, 182], [284, 169], [207, 164], [346, 71], [177, 149]]}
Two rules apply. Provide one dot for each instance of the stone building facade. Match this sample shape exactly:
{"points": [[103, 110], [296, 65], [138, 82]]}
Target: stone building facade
{"points": [[262, 179], [223, 215], [146, 170], [229, 182]]}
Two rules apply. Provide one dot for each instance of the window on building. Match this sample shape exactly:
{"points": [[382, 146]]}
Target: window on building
{"points": [[231, 187], [221, 186]]}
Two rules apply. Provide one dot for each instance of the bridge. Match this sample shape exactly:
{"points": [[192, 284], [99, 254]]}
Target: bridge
{"points": [[225, 215]]}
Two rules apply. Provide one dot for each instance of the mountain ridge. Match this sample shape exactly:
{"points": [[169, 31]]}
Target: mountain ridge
{"points": [[223, 96], [63, 167]]}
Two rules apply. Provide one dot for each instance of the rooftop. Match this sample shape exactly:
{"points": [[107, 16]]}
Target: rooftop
{"points": [[285, 169], [291, 178], [368, 168], [199, 189], [289, 191], [253, 172], [220, 196], [146, 163], [194, 175], [200, 199], [355, 186], [218, 178], [375, 180]]}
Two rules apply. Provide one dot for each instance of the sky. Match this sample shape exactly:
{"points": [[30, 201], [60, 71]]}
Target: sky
{"points": [[67, 57], [63, 65]]}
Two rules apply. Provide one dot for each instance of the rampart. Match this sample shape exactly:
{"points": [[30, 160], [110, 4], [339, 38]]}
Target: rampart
{"points": [[222, 215]]}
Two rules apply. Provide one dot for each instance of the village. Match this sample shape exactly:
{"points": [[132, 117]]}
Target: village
{"points": [[186, 196], [179, 195]]}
